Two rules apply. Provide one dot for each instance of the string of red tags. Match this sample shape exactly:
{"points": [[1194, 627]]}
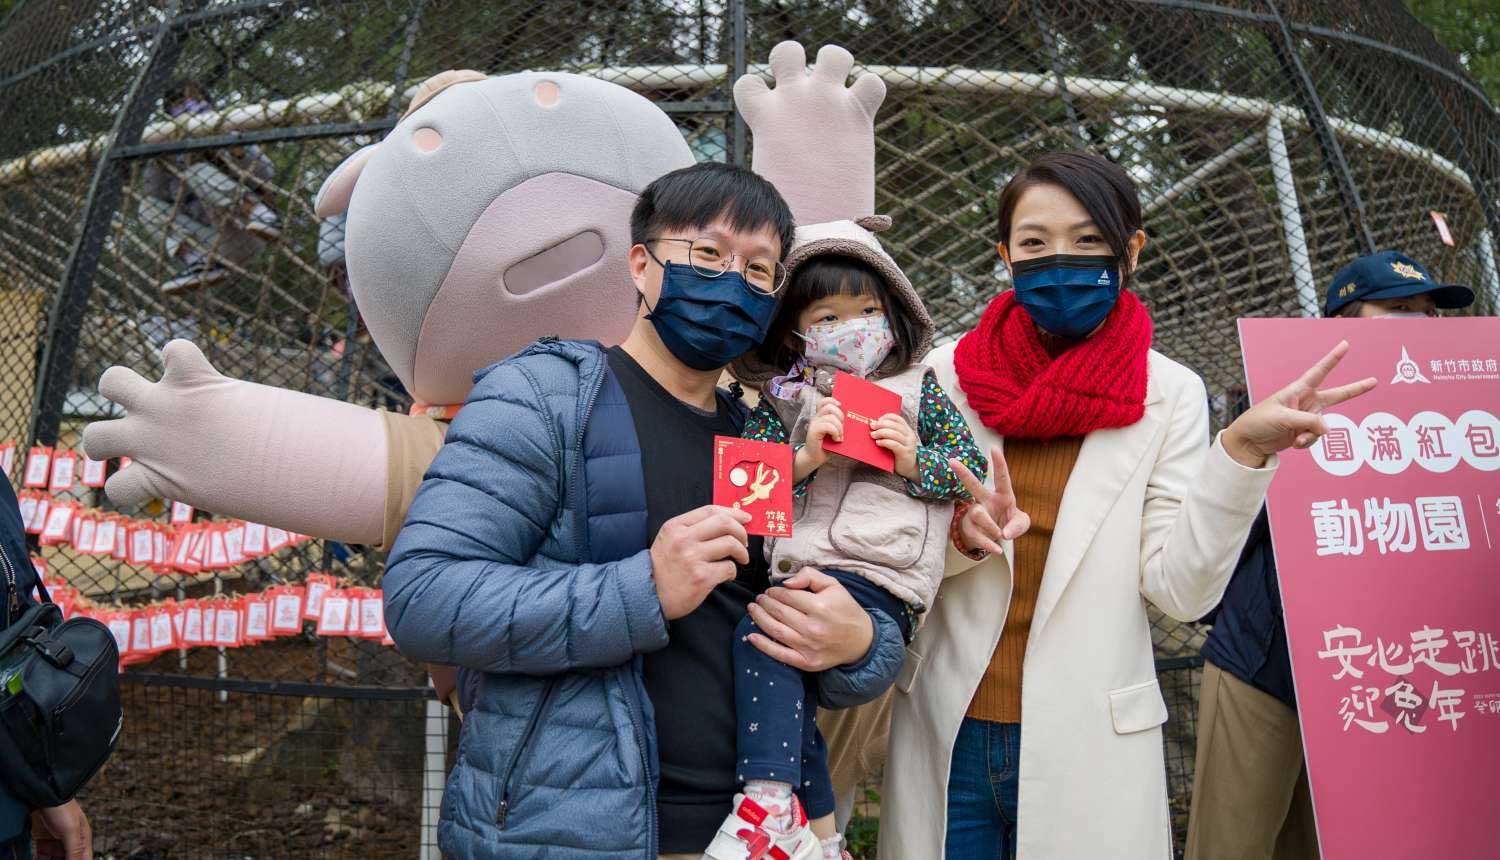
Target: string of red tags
{"points": [[236, 621], [179, 546]]}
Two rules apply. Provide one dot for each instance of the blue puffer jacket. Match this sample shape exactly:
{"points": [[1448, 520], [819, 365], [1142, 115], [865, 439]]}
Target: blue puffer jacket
{"points": [[524, 559]]}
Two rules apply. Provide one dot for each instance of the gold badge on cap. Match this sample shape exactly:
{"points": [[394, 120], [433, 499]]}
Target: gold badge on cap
{"points": [[1407, 270]]}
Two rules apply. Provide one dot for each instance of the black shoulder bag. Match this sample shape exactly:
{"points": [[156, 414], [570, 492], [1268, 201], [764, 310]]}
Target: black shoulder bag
{"points": [[59, 699]]}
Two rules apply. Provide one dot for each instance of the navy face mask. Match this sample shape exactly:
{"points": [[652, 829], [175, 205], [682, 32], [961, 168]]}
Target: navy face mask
{"points": [[708, 322], [1068, 295]]}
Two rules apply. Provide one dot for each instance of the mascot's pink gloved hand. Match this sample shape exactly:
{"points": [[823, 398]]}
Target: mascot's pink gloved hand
{"points": [[814, 137], [283, 458]]}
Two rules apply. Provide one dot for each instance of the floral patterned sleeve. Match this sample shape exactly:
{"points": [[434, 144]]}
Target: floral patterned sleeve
{"points": [[944, 434], [764, 425]]}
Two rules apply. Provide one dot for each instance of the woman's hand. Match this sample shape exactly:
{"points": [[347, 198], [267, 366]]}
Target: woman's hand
{"points": [[892, 433], [993, 516], [1293, 416], [810, 622]]}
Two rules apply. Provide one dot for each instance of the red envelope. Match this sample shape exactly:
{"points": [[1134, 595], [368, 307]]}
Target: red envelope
{"points": [[755, 477], [864, 403]]}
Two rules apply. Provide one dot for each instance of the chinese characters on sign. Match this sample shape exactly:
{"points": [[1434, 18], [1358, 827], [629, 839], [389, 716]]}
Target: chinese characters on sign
{"points": [[1386, 534], [1390, 526]]}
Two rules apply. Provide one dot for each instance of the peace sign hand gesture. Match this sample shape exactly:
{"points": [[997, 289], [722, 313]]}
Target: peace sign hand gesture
{"points": [[980, 528], [1293, 416]]}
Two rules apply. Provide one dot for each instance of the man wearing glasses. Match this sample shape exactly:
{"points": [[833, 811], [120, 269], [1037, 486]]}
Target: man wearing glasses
{"points": [[563, 550]]}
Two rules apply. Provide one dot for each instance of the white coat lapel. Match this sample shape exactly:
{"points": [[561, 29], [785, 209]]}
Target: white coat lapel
{"points": [[1105, 463]]}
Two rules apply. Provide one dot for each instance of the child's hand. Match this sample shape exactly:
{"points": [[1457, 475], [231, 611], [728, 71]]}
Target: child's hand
{"points": [[892, 433], [827, 423]]}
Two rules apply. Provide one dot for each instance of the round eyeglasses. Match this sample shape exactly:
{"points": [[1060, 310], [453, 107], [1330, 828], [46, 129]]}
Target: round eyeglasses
{"points": [[711, 258]]}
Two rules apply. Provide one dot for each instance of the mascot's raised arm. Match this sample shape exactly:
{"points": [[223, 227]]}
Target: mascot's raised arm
{"points": [[496, 211]]}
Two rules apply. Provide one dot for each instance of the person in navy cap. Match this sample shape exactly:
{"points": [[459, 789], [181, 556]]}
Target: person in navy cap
{"points": [[1250, 792], [1389, 283]]}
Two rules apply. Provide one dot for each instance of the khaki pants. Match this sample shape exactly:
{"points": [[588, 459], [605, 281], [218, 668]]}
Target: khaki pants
{"points": [[1250, 794]]}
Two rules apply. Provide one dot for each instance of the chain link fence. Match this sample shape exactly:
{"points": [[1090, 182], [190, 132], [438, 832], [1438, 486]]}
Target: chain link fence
{"points": [[1272, 142]]}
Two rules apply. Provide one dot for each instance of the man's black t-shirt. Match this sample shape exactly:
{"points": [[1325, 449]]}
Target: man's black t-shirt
{"points": [[691, 681]]}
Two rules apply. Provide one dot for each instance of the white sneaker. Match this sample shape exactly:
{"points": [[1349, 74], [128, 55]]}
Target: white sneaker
{"points": [[263, 222], [742, 836], [194, 275]]}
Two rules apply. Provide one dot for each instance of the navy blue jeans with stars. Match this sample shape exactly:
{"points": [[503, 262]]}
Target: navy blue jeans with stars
{"points": [[776, 707]]}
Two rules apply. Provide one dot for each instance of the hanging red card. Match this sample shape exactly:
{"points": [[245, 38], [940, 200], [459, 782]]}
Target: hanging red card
{"points": [[234, 543], [105, 535], [119, 626], [334, 618], [318, 584], [255, 540], [372, 614], [228, 626], [216, 557], [26, 502], [64, 471], [93, 472], [210, 618], [192, 623], [181, 513], [141, 547], [755, 477], [286, 611], [43, 510], [38, 468], [863, 403], [140, 633], [257, 618], [163, 637], [7, 457], [59, 523]]}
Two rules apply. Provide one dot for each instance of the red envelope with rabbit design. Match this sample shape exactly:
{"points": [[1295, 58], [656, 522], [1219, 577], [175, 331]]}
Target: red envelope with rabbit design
{"points": [[755, 477]]}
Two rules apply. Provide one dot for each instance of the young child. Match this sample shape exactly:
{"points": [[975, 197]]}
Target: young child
{"points": [[846, 306]]}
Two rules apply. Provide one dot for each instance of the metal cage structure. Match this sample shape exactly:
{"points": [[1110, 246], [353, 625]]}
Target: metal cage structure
{"points": [[1272, 141]]}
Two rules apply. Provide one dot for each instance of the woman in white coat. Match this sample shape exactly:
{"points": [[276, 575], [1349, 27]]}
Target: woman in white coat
{"points": [[1107, 450]]}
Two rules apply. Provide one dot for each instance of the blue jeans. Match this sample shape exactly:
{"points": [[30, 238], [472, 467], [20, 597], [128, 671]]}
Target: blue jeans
{"points": [[982, 791]]}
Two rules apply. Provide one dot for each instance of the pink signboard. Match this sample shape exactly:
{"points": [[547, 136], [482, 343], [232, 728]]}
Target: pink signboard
{"points": [[1387, 541]]}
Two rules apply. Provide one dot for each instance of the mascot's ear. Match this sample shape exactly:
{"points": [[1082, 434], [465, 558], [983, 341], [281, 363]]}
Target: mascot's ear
{"points": [[333, 197]]}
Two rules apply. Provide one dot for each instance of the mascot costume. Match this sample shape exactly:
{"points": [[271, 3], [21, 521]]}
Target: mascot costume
{"points": [[495, 212]]}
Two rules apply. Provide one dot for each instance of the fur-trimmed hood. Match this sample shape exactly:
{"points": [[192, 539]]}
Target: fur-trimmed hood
{"points": [[850, 239]]}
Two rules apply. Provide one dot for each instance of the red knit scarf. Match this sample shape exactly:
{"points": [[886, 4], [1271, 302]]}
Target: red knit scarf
{"points": [[1020, 390]]}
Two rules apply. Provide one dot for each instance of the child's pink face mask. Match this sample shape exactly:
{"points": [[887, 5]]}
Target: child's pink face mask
{"points": [[858, 345]]}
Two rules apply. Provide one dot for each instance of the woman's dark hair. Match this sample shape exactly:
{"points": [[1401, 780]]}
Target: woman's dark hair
{"points": [[829, 275], [1104, 190]]}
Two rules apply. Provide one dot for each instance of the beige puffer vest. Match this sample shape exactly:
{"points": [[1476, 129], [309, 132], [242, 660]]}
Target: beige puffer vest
{"points": [[861, 519]]}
